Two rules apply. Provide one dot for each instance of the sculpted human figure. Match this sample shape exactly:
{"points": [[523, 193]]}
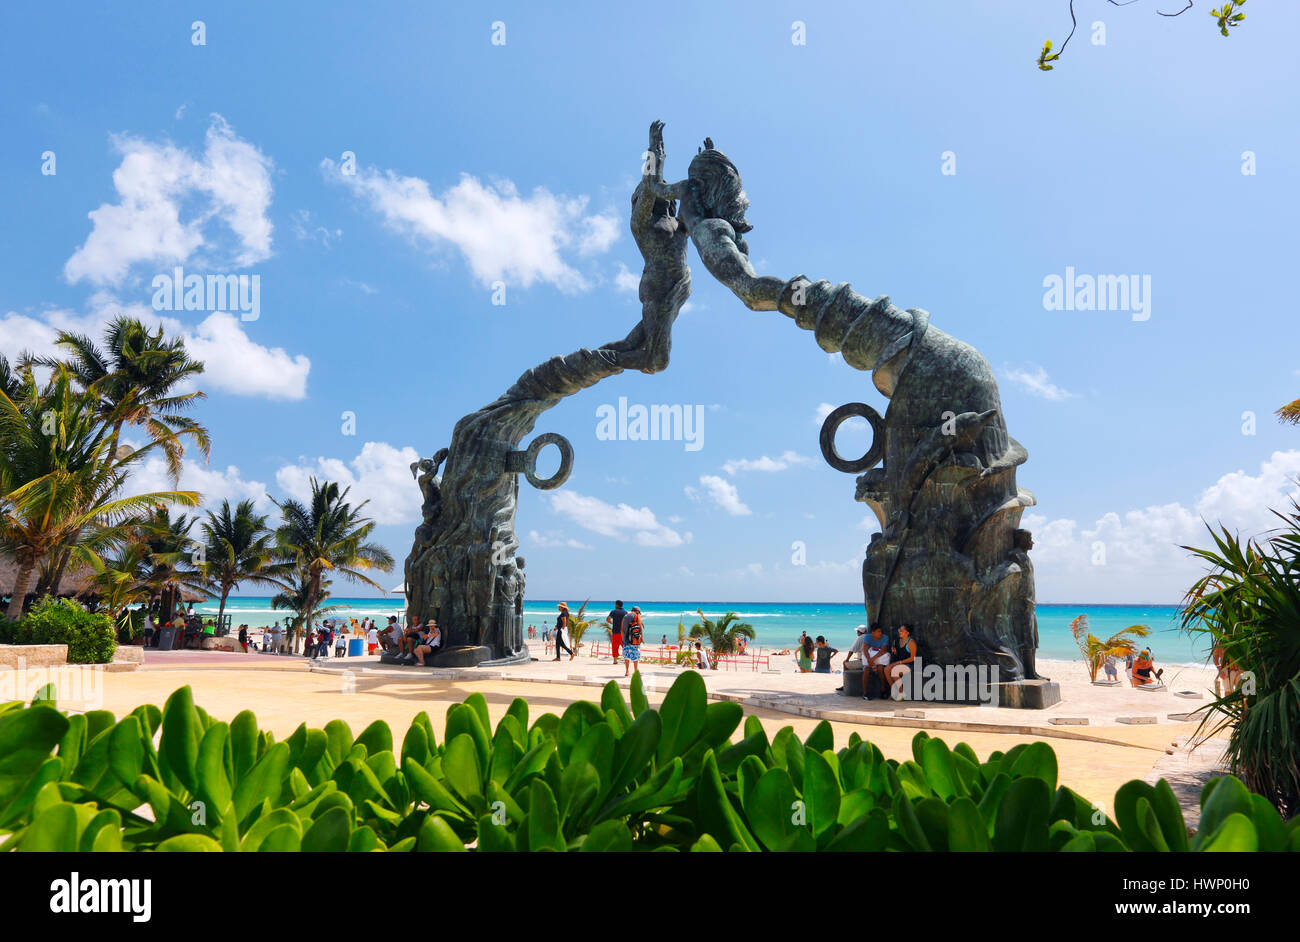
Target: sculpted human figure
{"points": [[946, 496], [665, 279]]}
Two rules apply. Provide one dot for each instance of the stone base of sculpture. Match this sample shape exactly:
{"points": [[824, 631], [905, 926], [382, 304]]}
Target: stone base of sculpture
{"points": [[460, 655], [956, 690]]}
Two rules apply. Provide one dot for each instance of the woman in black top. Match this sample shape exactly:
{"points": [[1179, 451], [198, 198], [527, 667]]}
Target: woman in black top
{"points": [[561, 627]]}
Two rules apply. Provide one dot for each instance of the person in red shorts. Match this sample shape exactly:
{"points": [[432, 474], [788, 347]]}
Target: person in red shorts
{"points": [[615, 621]]}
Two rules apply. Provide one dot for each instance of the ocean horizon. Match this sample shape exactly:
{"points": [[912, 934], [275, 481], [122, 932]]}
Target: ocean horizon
{"points": [[778, 624]]}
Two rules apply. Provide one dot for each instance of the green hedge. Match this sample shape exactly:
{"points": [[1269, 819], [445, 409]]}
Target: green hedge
{"points": [[600, 777], [90, 636]]}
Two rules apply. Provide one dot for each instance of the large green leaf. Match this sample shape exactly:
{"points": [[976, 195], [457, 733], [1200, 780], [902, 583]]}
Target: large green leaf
{"points": [[27, 738], [682, 713]]}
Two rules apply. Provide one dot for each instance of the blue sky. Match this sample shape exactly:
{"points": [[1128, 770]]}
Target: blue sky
{"points": [[479, 162]]}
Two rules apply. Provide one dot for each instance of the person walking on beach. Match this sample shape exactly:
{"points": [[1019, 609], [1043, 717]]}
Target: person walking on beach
{"points": [[615, 621], [824, 654], [243, 637], [805, 654], [561, 624], [372, 640], [632, 632]]}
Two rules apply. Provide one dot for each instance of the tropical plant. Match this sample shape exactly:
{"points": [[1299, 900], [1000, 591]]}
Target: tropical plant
{"points": [[1248, 607], [170, 565], [61, 482], [134, 380], [578, 625], [722, 634], [600, 777], [323, 536], [238, 547], [293, 597], [90, 636], [1095, 651], [119, 581], [1290, 413]]}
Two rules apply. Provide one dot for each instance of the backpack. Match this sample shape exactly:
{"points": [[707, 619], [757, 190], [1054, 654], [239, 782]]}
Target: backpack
{"points": [[634, 633]]}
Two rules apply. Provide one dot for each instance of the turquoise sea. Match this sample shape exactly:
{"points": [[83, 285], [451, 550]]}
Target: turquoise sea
{"points": [[778, 623]]}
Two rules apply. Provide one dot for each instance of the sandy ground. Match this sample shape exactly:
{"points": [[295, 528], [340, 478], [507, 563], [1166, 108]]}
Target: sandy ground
{"points": [[285, 691]]}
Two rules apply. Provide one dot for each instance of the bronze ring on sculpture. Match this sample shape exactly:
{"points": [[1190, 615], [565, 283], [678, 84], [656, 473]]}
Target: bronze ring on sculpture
{"points": [[832, 425], [529, 461]]}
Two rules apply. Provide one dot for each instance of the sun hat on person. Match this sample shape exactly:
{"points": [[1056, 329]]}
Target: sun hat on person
{"points": [[862, 629]]}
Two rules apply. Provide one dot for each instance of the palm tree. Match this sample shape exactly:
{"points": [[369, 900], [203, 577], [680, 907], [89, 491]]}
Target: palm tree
{"points": [[1290, 413], [326, 535], [238, 547], [60, 479], [295, 597], [722, 634], [134, 380], [1248, 607], [120, 580], [578, 626], [1095, 651], [170, 566]]}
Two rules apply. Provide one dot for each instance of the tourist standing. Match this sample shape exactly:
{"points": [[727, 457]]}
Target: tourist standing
{"points": [[615, 621], [824, 654], [632, 632], [372, 640], [805, 654], [243, 638]]}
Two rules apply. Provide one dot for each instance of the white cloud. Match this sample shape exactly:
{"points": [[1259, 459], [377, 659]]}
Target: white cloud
{"points": [[214, 484], [785, 460], [626, 279], [722, 492], [823, 410], [1033, 379], [159, 184], [596, 234], [502, 235], [619, 521], [1137, 556], [380, 474], [305, 228], [556, 540], [233, 362]]}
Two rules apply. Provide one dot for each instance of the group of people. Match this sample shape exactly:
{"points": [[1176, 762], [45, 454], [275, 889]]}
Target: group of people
{"points": [[885, 658], [412, 644]]}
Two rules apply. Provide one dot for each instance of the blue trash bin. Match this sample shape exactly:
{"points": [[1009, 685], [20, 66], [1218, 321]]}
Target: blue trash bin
{"points": [[356, 647]]}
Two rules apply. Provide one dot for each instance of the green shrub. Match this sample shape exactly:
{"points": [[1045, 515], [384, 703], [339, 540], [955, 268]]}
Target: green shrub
{"points": [[9, 631], [600, 777], [90, 636]]}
